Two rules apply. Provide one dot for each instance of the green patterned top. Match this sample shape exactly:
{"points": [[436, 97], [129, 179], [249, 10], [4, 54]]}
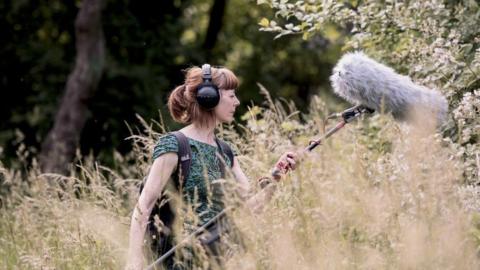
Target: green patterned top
{"points": [[204, 161]]}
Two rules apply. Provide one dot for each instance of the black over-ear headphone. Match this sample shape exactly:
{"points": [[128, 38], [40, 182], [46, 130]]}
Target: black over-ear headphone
{"points": [[208, 95]]}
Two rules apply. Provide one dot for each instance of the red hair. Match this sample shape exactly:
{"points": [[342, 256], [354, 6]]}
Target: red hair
{"points": [[182, 102]]}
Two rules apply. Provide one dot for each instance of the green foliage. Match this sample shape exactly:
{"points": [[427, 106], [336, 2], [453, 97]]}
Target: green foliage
{"points": [[435, 42], [37, 54], [148, 44], [376, 195]]}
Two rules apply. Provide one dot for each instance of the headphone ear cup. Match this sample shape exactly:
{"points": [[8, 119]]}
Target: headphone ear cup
{"points": [[208, 95]]}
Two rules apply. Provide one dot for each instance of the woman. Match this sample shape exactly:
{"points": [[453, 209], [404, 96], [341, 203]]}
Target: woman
{"points": [[205, 100]]}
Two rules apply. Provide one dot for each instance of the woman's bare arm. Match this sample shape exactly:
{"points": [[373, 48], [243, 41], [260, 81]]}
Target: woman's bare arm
{"points": [[257, 201], [161, 170]]}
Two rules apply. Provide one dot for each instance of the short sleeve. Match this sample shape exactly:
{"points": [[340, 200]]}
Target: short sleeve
{"points": [[166, 143]]}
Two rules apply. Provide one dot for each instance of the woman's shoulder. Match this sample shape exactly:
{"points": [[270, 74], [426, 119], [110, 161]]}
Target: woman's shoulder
{"points": [[165, 143]]}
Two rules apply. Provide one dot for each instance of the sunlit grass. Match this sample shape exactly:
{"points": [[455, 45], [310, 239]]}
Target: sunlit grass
{"points": [[377, 195]]}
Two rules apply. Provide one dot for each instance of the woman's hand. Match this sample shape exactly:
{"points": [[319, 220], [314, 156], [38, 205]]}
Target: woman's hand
{"points": [[284, 164]]}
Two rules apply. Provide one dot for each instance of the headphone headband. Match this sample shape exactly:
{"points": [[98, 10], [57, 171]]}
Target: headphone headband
{"points": [[206, 73]]}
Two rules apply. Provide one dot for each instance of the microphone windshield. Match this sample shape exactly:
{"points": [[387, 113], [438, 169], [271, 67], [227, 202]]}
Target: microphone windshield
{"points": [[361, 80]]}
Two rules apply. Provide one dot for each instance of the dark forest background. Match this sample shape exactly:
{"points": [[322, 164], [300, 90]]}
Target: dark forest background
{"points": [[147, 44]]}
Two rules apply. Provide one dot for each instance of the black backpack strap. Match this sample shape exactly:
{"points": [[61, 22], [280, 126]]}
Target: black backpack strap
{"points": [[224, 148], [184, 158]]}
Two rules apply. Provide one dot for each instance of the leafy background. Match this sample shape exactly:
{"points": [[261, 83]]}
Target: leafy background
{"points": [[377, 195]]}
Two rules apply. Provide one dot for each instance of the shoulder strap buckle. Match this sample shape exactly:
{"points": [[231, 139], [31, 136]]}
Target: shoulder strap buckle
{"points": [[184, 158]]}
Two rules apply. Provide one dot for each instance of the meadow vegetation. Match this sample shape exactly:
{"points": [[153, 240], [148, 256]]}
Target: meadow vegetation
{"points": [[379, 194]]}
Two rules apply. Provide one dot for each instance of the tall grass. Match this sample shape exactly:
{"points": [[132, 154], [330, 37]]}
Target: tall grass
{"points": [[377, 195]]}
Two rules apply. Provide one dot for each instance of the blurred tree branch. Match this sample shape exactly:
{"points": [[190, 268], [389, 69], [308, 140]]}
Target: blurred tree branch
{"points": [[214, 26], [59, 146]]}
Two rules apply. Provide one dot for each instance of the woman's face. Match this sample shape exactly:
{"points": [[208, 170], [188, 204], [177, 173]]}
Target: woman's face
{"points": [[225, 109]]}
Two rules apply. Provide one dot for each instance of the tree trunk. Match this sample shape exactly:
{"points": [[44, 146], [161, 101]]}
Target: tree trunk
{"points": [[214, 26], [58, 149]]}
